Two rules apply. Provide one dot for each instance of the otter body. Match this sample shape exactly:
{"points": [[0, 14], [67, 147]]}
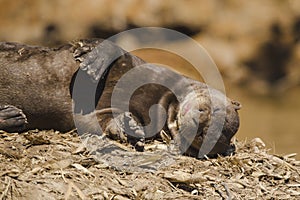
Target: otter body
{"points": [[35, 86], [36, 80], [193, 102]]}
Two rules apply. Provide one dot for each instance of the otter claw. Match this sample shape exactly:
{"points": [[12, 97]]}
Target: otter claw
{"points": [[125, 128], [12, 119]]}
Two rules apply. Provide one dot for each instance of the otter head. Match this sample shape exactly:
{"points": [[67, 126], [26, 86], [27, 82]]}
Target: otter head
{"points": [[207, 120]]}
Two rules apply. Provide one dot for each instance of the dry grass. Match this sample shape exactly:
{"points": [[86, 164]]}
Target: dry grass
{"points": [[52, 165]]}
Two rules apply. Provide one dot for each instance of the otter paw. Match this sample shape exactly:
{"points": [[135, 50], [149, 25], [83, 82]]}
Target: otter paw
{"points": [[230, 150], [124, 128], [96, 56], [12, 119], [227, 150]]}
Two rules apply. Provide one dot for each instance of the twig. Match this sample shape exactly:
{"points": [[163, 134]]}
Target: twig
{"points": [[218, 191], [227, 191], [4, 193], [69, 191]]}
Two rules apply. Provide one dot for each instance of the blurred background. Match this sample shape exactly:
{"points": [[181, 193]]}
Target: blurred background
{"points": [[255, 44]]}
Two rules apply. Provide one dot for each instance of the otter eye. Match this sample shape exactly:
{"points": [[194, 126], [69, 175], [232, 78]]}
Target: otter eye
{"points": [[216, 110], [201, 110]]}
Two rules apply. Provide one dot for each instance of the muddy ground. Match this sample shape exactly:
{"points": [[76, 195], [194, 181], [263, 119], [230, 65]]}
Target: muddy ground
{"points": [[54, 165]]}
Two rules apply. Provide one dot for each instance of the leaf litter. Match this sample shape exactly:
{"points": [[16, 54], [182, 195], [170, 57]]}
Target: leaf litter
{"points": [[53, 165]]}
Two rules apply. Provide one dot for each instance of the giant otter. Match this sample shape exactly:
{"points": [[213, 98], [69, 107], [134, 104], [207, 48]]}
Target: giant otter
{"points": [[35, 81], [37, 88], [191, 108]]}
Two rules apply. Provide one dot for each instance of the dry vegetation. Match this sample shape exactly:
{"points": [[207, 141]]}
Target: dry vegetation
{"points": [[53, 165]]}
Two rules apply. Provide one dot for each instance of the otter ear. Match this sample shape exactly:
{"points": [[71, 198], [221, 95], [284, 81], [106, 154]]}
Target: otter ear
{"points": [[237, 105]]}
